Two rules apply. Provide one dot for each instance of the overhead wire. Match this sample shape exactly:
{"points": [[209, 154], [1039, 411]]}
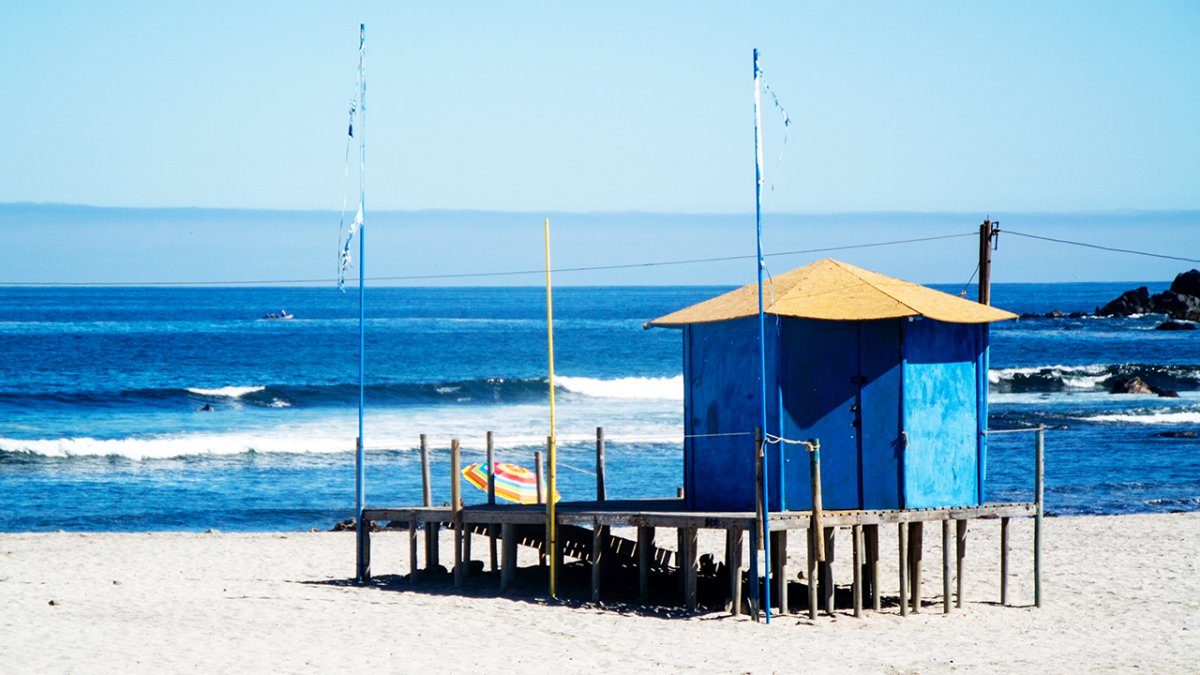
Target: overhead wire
{"points": [[1102, 248]]}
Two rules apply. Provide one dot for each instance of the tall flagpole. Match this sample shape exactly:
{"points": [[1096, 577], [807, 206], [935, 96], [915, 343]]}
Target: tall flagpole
{"points": [[762, 330], [363, 566], [552, 486]]}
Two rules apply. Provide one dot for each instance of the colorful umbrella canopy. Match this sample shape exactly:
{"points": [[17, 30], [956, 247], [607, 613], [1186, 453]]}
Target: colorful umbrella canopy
{"points": [[514, 483]]}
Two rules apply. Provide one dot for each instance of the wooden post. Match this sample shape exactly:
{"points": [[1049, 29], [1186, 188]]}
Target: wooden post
{"points": [[364, 549], [828, 587], [946, 566], [985, 262], [1039, 487], [508, 561], [601, 490], [779, 571], [1003, 561], [815, 464], [432, 530], [412, 551], [871, 536], [812, 572], [537, 468], [759, 497], [645, 546], [857, 545], [491, 471], [688, 565], [733, 563], [902, 534], [456, 515], [597, 554], [537, 464], [491, 464], [961, 555], [755, 589], [916, 545]]}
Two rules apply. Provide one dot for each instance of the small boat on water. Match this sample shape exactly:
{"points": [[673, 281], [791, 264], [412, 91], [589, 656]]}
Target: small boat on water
{"points": [[281, 316]]}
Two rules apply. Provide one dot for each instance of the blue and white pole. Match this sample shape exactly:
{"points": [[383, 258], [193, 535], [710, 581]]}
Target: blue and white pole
{"points": [[762, 330]]}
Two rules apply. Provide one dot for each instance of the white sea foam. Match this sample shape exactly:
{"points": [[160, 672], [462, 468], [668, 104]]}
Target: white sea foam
{"points": [[225, 392], [519, 430], [638, 388], [1175, 417], [1075, 377]]}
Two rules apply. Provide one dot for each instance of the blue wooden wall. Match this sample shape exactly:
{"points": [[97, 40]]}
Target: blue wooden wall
{"points": [[854, 385], [721, 380]]}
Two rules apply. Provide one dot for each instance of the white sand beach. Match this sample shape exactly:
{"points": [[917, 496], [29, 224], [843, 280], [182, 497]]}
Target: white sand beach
{"points": [[1121, 593]]}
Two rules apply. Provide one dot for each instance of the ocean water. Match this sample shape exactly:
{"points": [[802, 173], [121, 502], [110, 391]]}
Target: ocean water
{"points": [[100, 390]]}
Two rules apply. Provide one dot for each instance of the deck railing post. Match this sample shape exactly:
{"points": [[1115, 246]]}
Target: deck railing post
{"points": [[1039, 481], [456, 515], [601, 490], [815, 464], [491, 471]]}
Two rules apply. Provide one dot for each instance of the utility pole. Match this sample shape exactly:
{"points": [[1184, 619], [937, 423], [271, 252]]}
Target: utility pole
{"points": [[988, 232]]}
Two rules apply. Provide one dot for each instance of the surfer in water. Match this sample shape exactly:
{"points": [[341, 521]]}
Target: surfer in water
{"points": [[205, 408]]}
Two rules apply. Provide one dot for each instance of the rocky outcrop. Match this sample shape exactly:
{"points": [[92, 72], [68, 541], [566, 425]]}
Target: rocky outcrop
{"points": [[1136, 301], [1187, 283], [1181, 302]]}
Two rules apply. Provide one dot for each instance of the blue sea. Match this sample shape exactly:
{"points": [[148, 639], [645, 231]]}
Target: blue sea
{"points": [[100, 391]]}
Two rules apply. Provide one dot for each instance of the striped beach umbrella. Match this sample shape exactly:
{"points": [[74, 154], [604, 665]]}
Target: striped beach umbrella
{"points": [[514, 483]]}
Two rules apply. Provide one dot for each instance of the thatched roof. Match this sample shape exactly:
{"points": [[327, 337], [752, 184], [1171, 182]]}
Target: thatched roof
{"points": [[836, 291]]}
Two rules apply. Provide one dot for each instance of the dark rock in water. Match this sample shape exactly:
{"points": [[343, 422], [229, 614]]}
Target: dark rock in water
{"points": [[1132, 385], [1187, 283], [1077, 315], [1030, 315], [1177, 305], [1178, 434], [1136, 301], [1166, 393], [1175, 325], [1055, 314], [348, 525]]}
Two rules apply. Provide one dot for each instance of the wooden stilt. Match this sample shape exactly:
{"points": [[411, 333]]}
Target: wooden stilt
{"points": [[871, 536], [813, 533], [688, 539], [902, 545], [431, 529], [491, 474], [828, 587], [597, 554], [467, 557], [412, 551], [857, 545], [364, 543], [779, 572], [754, 591], [508, 561], [733, 564], [916, 542], [601, 490], [946, 566], [961, 555], [1004, 561], [645, 545]]}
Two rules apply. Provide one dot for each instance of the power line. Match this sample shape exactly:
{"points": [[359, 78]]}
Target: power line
{"points": [[1102, 248], [480, 275]]}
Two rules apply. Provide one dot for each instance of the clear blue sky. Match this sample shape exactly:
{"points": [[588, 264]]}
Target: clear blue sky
{"points": [[971, 108], [607, 106]]}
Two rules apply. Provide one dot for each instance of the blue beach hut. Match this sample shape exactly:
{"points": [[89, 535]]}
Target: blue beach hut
{"points": [[890, 376]]}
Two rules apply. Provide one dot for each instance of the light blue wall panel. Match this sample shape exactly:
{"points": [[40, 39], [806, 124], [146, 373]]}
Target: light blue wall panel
{"points": [[940, 410]]}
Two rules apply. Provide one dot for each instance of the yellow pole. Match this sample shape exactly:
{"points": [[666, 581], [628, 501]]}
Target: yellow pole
{"points": [[552, 488]]}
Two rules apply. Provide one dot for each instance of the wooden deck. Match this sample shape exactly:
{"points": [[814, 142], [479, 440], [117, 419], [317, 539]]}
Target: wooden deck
{"points": [[584, 534]]}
